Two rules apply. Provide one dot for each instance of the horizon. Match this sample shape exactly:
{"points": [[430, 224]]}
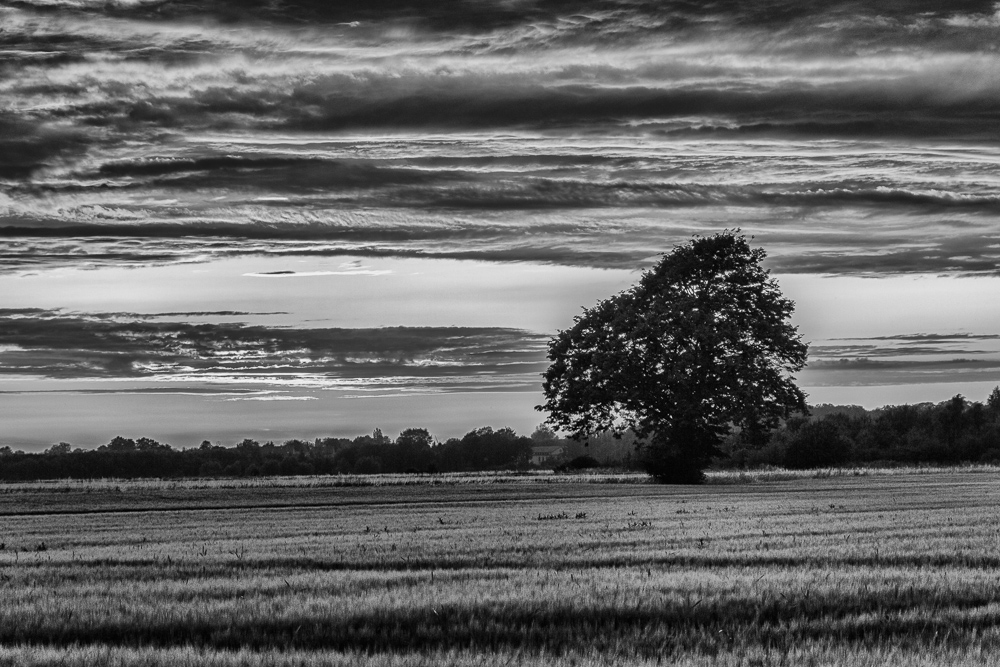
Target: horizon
{"points": [[440, 439]]}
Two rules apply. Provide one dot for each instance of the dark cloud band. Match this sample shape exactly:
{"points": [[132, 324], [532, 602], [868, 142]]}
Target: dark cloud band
{"points": [[67, 345]]}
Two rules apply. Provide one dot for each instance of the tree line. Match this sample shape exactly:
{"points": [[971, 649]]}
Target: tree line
{"points": [[955, 431], [951, 432], [415, 451]]}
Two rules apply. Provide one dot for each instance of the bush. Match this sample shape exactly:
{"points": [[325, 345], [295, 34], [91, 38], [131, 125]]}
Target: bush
{"points": [[583, 462], [579, 463]]}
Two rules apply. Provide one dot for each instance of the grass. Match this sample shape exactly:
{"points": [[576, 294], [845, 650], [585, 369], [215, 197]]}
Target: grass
{"points": [[846, 569], [770, 474], [783, 474], [332, 481]]}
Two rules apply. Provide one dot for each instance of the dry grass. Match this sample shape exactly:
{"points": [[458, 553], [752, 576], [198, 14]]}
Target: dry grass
{"points": [[851, 570], [330, 481], [784, 474], [468, 479]]}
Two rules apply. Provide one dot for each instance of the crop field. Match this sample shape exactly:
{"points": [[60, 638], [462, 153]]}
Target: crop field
{"points": [[861, 569]]}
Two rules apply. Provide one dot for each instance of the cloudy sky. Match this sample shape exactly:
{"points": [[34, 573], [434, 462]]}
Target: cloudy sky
{"points": [[234, 218]]}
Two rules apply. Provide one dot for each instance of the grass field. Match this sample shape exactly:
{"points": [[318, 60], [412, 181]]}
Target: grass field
{"points": [[845, 569]]}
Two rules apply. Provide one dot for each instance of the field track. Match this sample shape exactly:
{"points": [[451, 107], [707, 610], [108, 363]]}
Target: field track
{"points": [[853, 570]]}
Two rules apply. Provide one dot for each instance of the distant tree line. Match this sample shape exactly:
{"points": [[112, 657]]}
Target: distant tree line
{"points": [[414, 451], [954, 431]]}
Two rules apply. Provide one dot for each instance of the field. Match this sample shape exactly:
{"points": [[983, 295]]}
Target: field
{"points": [[824, 569]]}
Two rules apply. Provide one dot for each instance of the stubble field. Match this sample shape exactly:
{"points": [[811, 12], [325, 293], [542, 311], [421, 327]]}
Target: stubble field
{"points": [[850, 570]]}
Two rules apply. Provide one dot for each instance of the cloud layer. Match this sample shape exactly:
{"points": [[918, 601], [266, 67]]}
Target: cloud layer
{"points": [[220, 355], [906, 359], [849, 138], [124, 346]]}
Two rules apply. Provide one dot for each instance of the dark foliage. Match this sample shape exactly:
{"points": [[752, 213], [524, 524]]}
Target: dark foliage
{"points": [[414, 451], [816, 445], [700, 344], [954, 431], [581, 463]]}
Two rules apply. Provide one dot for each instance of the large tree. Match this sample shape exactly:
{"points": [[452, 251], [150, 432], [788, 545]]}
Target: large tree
{"points": [[700, 344]]}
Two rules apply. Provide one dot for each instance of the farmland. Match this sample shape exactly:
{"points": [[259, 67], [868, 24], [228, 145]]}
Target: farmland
{"points": [[864, 569]]}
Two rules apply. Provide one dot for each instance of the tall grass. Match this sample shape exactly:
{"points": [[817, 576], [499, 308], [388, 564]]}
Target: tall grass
{"points": [[330, 481], [459, 479], [772, 474]]}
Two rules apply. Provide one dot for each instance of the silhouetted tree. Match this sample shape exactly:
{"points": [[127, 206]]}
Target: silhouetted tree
{"points": [[543, 435], [951, 418], [703, 342], [149, 445], [413, 450], [486, 449], [993, 402], [120, 444]]}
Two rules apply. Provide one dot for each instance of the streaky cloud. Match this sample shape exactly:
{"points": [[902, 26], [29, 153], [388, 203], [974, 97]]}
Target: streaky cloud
{"points": [[904, 359], [101, 345], [937, 337], [144, 133], [313, 274]]}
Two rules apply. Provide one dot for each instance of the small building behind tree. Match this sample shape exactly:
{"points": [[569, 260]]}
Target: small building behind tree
{"points": [[548, 454]]}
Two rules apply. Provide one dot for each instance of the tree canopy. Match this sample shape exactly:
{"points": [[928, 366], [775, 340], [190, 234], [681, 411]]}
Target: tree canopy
{"points": [[700, 344]]}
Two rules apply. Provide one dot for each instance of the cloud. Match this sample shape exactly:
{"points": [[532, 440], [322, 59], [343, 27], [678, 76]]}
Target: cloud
{"points": [[882, 374], [840, 354], [793, 67], [27, 146], [849, 138], [278, 174], [835, 239], [943, 256], [936, 337], [547, 16], [904, 359], [312, 274], [58, 344], [913, 346], [272, 397], [126, 316]]}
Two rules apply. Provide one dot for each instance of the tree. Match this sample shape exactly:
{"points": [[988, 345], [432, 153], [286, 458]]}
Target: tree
{"points": [[416, 438], [951, 417], [149, 445], [413, 450], [60, 449], [993, 402], [543, 434], [486, 449], [700, 344], [120, 444]]}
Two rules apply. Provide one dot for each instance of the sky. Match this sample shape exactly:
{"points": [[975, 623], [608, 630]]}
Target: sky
{"points": [[227, 218]]}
